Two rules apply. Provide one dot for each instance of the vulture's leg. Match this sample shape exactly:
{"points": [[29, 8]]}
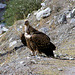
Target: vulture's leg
{"points": [[32, 53]]}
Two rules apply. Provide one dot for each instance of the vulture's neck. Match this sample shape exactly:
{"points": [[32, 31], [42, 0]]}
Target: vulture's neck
{"points": [[26, 29], [27, 35]]}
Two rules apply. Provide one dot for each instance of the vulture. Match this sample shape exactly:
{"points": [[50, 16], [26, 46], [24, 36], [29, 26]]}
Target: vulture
{"points": [[23, 40], [36, 41]]}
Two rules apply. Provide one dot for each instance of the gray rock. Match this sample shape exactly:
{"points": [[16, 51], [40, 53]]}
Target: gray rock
{"points": [[43, 13], [48, 22], [2, 25], [2, 6], [37, 25], [10, 39], [43, 4], [51, 22], [60, 69], [33, 61], [73, 13], [22, 62], [0, 31], [71, 58], [28, 15], [44, 30], [12, 43], [62, 19], [72, 20], [4, 29], [69, 15]]}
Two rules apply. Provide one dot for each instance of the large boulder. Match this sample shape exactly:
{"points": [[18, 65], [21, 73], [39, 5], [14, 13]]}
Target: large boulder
{"points": [[43, 13]]}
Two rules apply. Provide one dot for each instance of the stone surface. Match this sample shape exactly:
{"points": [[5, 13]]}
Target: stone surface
{"points": [[4, 29], [62, 19], [44, 30], [12, 43], [73, 13], [72, 20], [43, 13]]}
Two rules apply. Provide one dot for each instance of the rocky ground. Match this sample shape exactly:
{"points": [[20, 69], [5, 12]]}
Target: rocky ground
{"points": [[59, 25]]}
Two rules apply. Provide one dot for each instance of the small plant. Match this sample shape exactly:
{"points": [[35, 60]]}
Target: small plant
{"points": [[18, 9]]}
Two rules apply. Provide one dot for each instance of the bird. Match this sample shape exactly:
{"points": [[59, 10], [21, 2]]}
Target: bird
{"points": [[23, 40], [36, 41]]}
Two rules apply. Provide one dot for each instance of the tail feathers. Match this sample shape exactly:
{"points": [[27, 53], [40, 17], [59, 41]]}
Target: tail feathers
{"points": [[52, 46], [49, 50], [49, 54]]}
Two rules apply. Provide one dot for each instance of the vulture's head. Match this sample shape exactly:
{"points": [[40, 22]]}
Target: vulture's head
{"points": [[26, 22]]}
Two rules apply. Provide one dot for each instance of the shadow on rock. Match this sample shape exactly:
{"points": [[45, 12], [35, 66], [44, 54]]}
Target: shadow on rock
{"points": [[11, 51]]}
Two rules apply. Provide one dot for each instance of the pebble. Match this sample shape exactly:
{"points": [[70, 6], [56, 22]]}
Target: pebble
{"points": [[60, 69], [21, 62], [28, 57], [47, 22], [12, 43], [71, 58], [33, 61]]}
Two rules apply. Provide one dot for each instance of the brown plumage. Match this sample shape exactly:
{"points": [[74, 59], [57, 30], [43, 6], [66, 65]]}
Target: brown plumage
{"points": [[37, 41], [23, 40]]}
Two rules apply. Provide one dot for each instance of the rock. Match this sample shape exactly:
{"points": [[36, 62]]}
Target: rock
{"points": [[4, 29], [60, 69], [72, 20], [37, 25], [10, 39], [0, 31], [2, 6], [20, 26], [51, 22], [56, 56], [44, 30], [73, 13], [43, 6], [28, 57], [38, 57], [28, 15], [71, 58], [43, 14], [65, 58], [33, 61], [12, 43], [22, 62], [69, 15], [2, 64], [62, 19], [2, 25], [1, 35], [47, 22]]}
